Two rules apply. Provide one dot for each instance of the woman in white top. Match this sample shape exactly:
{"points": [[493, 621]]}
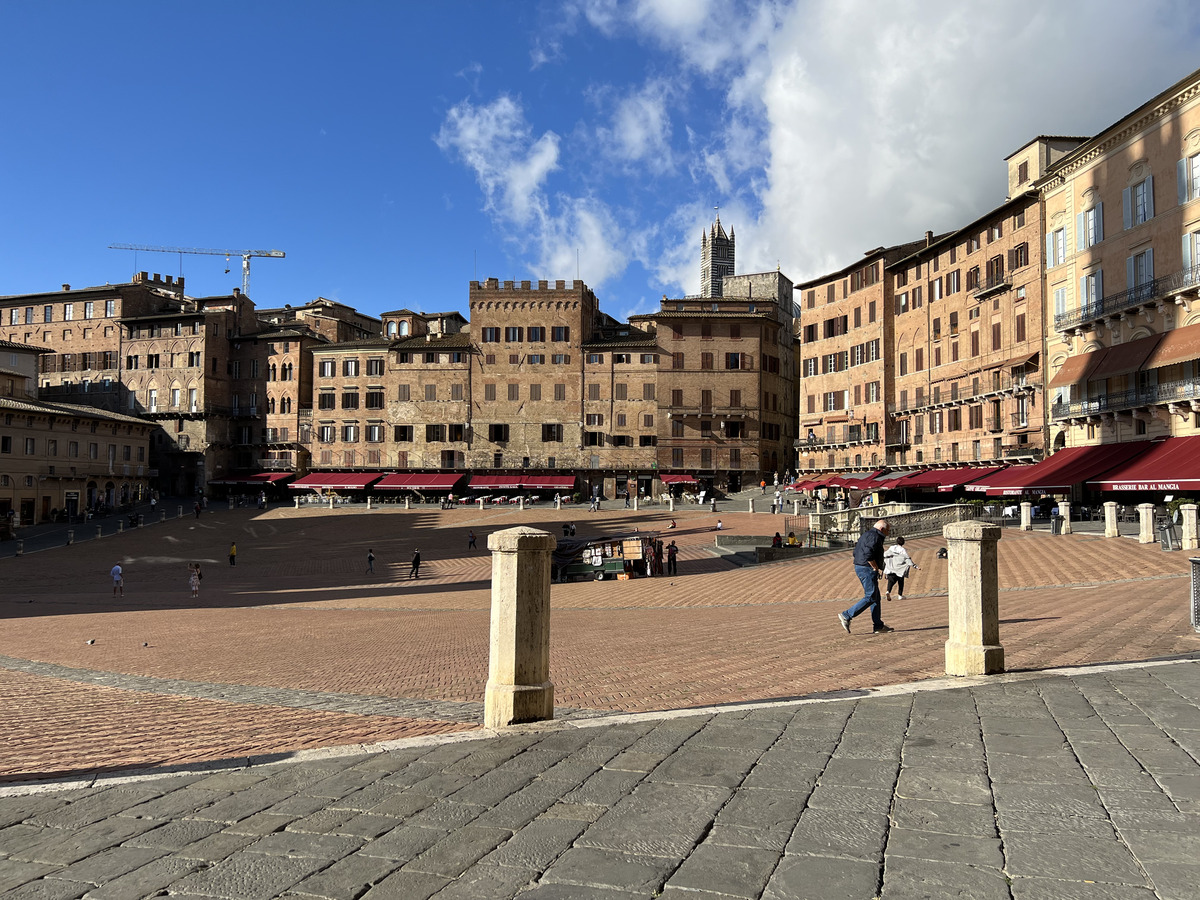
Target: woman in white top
{"points": [[896, 565]]}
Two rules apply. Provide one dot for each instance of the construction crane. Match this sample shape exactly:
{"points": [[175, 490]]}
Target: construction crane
{"points": [[244, 254]]}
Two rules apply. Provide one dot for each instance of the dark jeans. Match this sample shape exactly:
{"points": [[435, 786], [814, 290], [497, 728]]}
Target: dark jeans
{"points": [[869, 579]]}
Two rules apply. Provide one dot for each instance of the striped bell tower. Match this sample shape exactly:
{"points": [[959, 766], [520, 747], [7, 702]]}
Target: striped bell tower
{"points": [[716, 258]]}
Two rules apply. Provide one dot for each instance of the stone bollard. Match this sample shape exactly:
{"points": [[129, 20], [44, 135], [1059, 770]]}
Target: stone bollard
{"points": [[520, 503], [795, 507], [231, 503], [713, 504], [180, 514], [1111, 528], [818, 508], [635, 502], [20, 548], [408, 502], [1064, 511], [141, 520], [518, 685], [368, 504], [751, 504], [1026, 516], [973, 647], [1191, 532], [671, 504], [120, 526], [1146, 523], [557, 503], [70, 536], [99, 532], [297, 503], [481, 503], [162, 516], [331, 503]]}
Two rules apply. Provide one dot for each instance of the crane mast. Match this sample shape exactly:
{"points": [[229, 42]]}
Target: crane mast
{"points": [[244, 254]]}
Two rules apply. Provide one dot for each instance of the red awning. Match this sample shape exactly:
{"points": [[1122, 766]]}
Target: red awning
{"points": [[419, 481], [678, 479], [917, 478], [860, 482], [548, 482], [1172, 464], [256, 478], [952, 478], [981, 485], [1065, 468], [495, 482], [338, 481]]}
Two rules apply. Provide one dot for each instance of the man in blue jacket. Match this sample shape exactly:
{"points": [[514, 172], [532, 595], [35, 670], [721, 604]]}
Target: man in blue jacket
{"points": [[868, 566]]}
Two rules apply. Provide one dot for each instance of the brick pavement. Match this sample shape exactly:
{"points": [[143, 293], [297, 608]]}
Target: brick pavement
{"points": [[298, 616], [1079, 785]]}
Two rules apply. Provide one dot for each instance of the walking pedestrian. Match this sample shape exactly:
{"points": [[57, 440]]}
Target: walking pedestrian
{"points": [[471, 540], [627, 498], [196, 509], [896, 565], [370, 562], [416, 565], [672, 556], [233, 553], [763, 486], [572, 529], [868, 566], [118, 577], [194, 579]]}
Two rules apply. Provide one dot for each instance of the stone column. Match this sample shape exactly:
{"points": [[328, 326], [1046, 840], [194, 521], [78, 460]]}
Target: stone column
{"points": [[520, 503], [1191, 534], [751, 504], [671, 504], [481, 503], [1111, 528], [1146, 521], [297, 502], [973, 647], [635, 502], [795, 507], [1064, 510], [368, 503], [557, 503], [408, 502], [331, 501], [518, 685], [1026, 516]]}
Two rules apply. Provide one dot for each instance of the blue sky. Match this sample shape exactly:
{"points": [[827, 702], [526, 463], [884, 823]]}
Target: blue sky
{"points": [[397, 150]]}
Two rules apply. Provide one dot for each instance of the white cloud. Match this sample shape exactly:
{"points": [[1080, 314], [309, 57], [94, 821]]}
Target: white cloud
{"points": [[511, 166], [640, 128]]}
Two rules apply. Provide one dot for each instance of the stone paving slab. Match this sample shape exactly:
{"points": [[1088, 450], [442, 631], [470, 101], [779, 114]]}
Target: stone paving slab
{"points": [[487, 818]]}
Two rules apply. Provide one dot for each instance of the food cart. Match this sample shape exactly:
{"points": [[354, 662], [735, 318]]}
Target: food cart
{"points": [[604, 558]]}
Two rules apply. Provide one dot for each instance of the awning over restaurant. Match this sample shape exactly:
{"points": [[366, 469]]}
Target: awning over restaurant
{"points": [[254, 478], [337, 481], [678, 479], [495, 482], [980, 485], [1172, 464], [1065, 468], [952, 478], [419, 481], [1121, 359], [859, 482], [889, 480], [818, 481], [548, 482]]}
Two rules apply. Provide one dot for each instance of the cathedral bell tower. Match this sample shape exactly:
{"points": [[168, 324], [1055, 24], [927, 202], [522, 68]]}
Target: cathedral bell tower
{"points": [[716, 258]]}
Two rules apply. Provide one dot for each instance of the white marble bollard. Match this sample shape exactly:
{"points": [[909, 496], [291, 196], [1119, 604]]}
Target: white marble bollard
{"points": [[557, 503], [521, 503], [368, 503], [180, 515], [1026, 516], [518, 686], [70, 536], [408, 502], [973, 647], [331, 503], [751, 504], [481, 501], [635, 502], [671, 504], [297, 502], [795, 507], [99, 532], [1064, 511], [1191, 533], [1146, 523], [1111, 526]]}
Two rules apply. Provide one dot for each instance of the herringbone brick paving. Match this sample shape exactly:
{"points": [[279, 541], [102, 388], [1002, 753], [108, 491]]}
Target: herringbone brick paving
{"points": [[298, 613]]}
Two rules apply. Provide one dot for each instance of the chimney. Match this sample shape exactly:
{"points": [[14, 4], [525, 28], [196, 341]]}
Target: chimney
{"points": [[928, 238], [170, 280], [66, 287], [179, 284], [237, 292]]}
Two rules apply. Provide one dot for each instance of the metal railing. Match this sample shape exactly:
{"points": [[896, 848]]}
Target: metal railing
{"points": [[992, 284], [990, 387], [1169, 392], [1113, 304]]}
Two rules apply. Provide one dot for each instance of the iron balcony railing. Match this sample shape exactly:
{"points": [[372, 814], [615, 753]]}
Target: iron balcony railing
{"points": [[993, 284], [1134, 297], [1168, 392], [990, 387]]}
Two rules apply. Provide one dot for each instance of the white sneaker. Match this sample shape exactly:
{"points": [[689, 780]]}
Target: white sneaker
{"points": [[901, 597]]}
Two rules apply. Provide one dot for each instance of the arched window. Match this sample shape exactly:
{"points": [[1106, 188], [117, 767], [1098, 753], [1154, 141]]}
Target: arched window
{"points": [[270, 405], [403, 329], [391, 329]]}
